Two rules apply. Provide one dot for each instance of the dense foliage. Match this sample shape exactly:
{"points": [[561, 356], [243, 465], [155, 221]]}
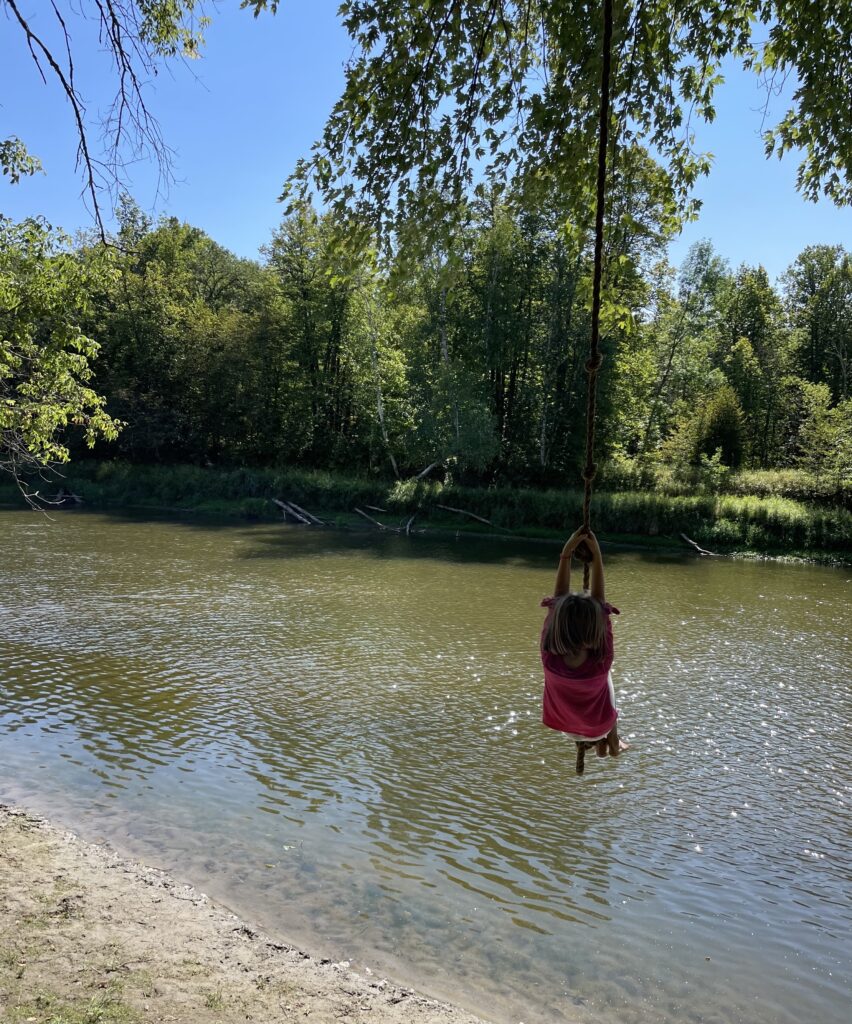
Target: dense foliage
{"points": [[46, 293], [441, 95], [460, 149], [474, 367]]}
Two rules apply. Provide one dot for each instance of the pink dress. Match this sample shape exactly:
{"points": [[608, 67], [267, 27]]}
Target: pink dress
{"points": [[579, 701]]}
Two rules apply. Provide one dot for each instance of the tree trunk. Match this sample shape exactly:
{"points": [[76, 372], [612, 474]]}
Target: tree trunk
{"points": [[380, 402], [445, 358]]}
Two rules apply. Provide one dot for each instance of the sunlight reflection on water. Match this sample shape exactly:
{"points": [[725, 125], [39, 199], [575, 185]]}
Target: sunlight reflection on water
{"points": [[340, 736]]}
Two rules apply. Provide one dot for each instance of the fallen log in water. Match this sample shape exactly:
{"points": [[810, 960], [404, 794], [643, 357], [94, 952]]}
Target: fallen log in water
{"points": [[463, 512], [700, 550], [309, 515], [288, 510], [375, 522]]}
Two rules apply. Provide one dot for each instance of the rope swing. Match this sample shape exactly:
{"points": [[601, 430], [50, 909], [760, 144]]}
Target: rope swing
{"points": [[593, 363]]}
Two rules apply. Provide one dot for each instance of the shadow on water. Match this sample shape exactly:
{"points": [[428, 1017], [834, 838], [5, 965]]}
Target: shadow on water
{"points": [[286, 540], [295, 542]]}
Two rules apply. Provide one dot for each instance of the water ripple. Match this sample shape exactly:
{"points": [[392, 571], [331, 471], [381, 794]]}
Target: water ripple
{"points": [[343, 734]]}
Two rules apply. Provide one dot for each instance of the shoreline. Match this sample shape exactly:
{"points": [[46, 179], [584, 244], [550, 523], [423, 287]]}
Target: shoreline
{"points": [[350, 523], [794, 518], [89, 935]]}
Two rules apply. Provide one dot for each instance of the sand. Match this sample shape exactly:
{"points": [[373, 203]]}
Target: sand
{"points": [[89, 937]]}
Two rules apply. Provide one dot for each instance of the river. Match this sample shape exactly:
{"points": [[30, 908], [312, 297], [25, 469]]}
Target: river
{"points": [[338, 735]]}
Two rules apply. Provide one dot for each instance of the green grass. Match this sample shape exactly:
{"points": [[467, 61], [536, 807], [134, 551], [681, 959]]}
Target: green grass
{"points": [[214, 1000], [45, 1008], [797, 484], [763, 523]]}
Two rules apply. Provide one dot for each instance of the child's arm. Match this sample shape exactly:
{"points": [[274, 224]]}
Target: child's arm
{"points": [[563, 574], [596, 576]]}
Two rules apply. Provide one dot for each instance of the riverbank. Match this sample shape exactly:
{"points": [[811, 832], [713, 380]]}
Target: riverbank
{"points": [[767, 523], [88, 937]]}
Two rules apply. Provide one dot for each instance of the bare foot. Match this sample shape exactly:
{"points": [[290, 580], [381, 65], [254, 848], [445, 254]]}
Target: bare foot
{"points": [[614, 742]]}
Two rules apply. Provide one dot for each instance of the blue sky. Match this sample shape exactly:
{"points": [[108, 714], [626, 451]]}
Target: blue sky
{"points": [[239, 119]]}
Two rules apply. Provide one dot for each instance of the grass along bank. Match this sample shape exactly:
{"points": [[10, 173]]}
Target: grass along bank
{"points": [[764, 523]]}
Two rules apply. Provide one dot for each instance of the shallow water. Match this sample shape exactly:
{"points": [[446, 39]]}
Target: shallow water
{"points": [[339, 737]]}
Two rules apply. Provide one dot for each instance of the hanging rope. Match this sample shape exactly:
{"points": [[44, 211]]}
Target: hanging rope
{"points": [[593, 363]]}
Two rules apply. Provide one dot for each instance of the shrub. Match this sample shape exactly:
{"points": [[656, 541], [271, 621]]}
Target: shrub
{"points": [[765, 521], [721, 428]]}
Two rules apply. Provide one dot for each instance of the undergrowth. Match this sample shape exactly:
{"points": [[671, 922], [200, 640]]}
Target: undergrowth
{"points": [[761, 522]]}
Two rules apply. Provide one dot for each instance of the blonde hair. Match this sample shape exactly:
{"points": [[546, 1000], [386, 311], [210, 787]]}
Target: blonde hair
{"points": [[577, 623]]}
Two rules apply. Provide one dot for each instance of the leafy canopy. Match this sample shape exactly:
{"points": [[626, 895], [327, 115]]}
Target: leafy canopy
{"points": [[442, 93], [45, 295]]}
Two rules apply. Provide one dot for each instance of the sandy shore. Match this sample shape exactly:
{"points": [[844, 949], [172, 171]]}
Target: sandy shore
{"points": [[88, 937]]}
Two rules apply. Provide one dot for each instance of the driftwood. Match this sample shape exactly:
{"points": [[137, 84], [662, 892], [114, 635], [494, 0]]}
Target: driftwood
{"points": [[375, 522], [308, 515], [288, 510], [375, 508], [462, 512], [64, 499], [700, 550], [294, 511], [408, 524]]}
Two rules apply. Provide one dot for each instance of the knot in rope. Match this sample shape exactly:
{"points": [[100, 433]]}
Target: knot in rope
{"points": [[590, 472], [593, 363]]}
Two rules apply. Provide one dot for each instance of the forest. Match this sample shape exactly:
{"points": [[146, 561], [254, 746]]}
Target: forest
{"points": [[463, 365], [470, 362]]}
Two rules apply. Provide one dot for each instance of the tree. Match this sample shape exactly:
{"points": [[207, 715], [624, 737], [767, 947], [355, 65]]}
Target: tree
{"points": [[753, 349], [44, 359], [826, 441], [818, 289], [442, 93], [721, 428], [681, 334], [185, 328], [489, 97], [45, 295]]}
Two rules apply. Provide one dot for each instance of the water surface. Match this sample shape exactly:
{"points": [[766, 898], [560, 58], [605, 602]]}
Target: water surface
{"points": [[339, 736]]}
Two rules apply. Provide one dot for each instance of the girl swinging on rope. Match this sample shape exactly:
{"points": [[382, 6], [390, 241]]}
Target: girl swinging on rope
{"points": [[577, 653]]}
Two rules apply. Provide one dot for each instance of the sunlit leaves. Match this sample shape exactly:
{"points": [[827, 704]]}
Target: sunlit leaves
{"points": [[443, 95], [812, 43], [45, 357], [16, 161], [170, 27]]}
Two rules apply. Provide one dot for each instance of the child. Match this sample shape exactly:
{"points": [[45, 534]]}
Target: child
{"points": [[576, 652]]}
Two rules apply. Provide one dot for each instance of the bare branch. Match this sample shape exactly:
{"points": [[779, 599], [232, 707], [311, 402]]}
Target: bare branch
{"points": [[129, 132], [34, 42]]}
